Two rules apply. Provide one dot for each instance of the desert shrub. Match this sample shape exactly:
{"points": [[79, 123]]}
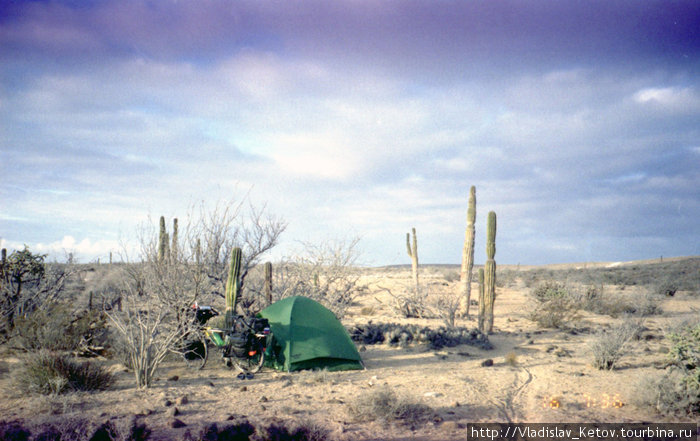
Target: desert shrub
{"points": [[554, 305], [444, 303], [27, 283], [608, 346], [668, 394], [52, 373], [327, 273], [241, 430], [402, 335], [685, 354], [306, 431], [383, 404], [57, 327], [75, 428], [666, 287], [408, 302]]}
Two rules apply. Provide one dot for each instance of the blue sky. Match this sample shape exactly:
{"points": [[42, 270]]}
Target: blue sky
{"points": [[578, 122]]}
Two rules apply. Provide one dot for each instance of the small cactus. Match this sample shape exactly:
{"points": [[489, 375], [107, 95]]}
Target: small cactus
{"points": [[465, 276], [412, 250], [233, 285]]}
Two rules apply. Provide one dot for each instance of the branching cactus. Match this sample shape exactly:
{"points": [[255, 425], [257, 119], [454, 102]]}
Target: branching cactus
{"points": [[412, 250], [481, 300], [268, 283], [233, 285], [490, 273], [465, 276]]}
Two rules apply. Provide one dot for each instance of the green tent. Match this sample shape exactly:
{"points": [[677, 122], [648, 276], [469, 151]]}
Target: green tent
{"points": [[308, 336]]}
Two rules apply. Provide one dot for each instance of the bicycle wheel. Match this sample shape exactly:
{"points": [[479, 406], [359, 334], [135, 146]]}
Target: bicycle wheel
{"points": [[195, 352], [254, 360]]}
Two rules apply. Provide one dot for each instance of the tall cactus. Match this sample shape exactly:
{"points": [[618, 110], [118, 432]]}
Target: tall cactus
{"points": [[490, 273], [465, 276], [268, 283], [412, 250], [482, 302], [163, 250], [174, 246], [233, 285]]}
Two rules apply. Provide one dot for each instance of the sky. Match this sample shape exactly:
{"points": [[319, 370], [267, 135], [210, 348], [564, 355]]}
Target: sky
{"points": [[578, 122]]}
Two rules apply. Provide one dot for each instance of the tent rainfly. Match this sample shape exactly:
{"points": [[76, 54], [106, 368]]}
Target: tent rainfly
{"points": [[308, 336]]}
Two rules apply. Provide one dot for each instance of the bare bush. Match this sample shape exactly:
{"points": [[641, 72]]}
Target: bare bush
{"points": [[324, 272], [156, 316], [609, 346], [408, 302], [444, 302]]}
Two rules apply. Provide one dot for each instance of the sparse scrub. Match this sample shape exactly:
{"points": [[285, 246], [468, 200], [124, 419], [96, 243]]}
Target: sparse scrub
{"points": [[383, 404], [667, 394], [608, 346], [51, 373], [56, 327], [554, 305], [685, 354]]}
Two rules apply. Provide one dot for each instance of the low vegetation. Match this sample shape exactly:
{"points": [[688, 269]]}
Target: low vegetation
{"points": [[47, 372], [384, 404]]}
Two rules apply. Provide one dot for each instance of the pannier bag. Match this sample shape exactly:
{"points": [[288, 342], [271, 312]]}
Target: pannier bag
{"points": [[259, 325], [239, 344]]}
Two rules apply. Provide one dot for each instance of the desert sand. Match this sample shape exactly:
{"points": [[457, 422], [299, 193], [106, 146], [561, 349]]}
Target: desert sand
{"points": [[537, 375]]}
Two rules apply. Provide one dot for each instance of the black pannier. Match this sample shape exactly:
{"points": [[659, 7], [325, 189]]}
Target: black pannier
{"points": [[239, 344], [259, 324]]}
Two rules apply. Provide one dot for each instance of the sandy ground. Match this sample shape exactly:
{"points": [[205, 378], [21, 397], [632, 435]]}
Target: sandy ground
{"points": [[550, 380]]}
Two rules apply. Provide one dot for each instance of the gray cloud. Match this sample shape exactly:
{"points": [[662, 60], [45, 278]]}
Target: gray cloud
{"points": [[577, 123]]}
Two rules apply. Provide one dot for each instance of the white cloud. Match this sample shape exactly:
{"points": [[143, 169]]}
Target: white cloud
{"points": [[669, 96]]}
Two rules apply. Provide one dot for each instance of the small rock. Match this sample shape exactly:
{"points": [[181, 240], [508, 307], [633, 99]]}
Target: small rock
{"points": [[263, 399], [263, 408], [550, 348], [210, 384], [373, 380], [488, 362], [167, 403], [174, 411], [531, 342], [363, 348], [243, 388], [432, 394], [182, 400], [176, 423], [456, 404], [174, 378]]}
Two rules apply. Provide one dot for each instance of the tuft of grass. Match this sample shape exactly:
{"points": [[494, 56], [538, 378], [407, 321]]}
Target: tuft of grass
{"points": [[51, 373], [383, 404], [511, 358]]}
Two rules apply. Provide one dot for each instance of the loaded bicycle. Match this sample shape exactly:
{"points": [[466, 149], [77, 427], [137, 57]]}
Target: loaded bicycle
{"points": [[243, 345]]}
